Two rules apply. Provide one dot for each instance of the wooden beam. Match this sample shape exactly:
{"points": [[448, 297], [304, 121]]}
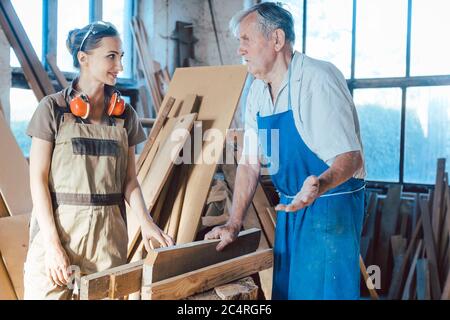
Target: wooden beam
{"points": [[423, 280], [372, 291], [17, 37], [436, 214], [62, 81], [185, 285], [430, 249], [412, 269]]}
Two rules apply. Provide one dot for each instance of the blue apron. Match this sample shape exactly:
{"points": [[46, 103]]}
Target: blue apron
{"points": [[316, 251]]}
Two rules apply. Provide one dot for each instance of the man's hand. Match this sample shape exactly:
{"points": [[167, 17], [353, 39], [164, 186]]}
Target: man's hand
{"points": [[151, 231], [226, 233], [306, 196], [57, 265]]}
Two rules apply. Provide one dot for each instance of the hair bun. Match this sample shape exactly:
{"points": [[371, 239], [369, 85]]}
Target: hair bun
{"points": [[70, 42]]}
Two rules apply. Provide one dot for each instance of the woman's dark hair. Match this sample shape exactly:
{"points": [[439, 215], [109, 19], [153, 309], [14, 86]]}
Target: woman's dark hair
{"points": [[88, 38]]}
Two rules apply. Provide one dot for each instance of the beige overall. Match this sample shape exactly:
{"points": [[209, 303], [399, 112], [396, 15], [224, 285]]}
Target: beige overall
{"points": [[86, 182]]}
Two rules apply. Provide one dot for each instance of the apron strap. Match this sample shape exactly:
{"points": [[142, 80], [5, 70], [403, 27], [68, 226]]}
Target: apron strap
{"points": [[69, 118], [81, 199], [120, 123]]}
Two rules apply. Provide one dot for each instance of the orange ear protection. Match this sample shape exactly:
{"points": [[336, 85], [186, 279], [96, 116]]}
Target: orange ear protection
{"points": [[81, 107]]}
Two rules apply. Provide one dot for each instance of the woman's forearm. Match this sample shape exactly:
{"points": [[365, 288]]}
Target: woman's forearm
{"points": [[43, 211], [135, 199]]}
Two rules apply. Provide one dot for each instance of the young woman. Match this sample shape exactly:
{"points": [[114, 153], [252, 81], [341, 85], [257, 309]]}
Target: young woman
{"points": [[82, 168]]}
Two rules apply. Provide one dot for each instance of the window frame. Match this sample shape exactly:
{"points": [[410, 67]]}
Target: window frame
{"points": [[394, 82]]}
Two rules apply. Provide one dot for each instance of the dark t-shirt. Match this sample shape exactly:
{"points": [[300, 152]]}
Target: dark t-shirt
{"points": [[47, 117]]}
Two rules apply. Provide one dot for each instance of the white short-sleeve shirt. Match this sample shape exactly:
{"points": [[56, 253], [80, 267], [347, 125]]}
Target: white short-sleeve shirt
{"points": [[323, 108]]}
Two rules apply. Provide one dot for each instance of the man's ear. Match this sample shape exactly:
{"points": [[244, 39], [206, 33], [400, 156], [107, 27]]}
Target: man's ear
{"points": [[82, 58], [280, 39]]}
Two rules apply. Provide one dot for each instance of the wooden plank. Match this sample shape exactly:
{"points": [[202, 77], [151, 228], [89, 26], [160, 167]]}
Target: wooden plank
{"points": [[60, 77], [389, 219], [220, 89], [13, 247], [261, 203], [372, 290], [397, 280], [97, 285], [14, 176], [3, 209], [430, 251], [209, 277], [407, 289], [423, 280], [436, 214], [164, 263], [6, 288], [156, 177], [160, 120]]}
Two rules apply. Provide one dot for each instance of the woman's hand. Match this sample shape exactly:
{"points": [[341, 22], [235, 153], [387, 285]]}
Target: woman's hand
{"points": [[151, 231], [57, 265]]}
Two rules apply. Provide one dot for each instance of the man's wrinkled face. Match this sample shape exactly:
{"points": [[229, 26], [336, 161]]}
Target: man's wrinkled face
{"points": [[257, 51]]}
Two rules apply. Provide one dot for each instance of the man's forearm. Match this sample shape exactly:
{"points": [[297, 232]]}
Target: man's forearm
{"points": [[244, 190], [342, 169]]}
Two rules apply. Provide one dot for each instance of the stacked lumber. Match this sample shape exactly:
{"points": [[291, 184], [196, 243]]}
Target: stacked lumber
{"points": [[172, 273], [176, 199], [407, 236]]}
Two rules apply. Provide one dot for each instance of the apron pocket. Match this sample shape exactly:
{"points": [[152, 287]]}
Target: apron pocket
{"points": [[95, 147]]}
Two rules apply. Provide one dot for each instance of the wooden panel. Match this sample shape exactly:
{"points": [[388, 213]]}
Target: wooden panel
{"points": [[163, 263], [14, 247], [14, 176], [6, 288], [220, 89], [184, 285]]}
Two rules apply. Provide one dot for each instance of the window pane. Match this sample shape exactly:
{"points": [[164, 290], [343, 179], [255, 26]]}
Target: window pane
{"points": [[381, 38], [30, 15], [295, 7], [71, 15], [118, 13], [23, 103], [379, 112], [329, 32], [429, 52], [427, 134]]}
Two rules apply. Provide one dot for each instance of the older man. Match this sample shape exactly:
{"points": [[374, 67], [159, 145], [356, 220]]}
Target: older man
{"points": [[320, 161]]}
